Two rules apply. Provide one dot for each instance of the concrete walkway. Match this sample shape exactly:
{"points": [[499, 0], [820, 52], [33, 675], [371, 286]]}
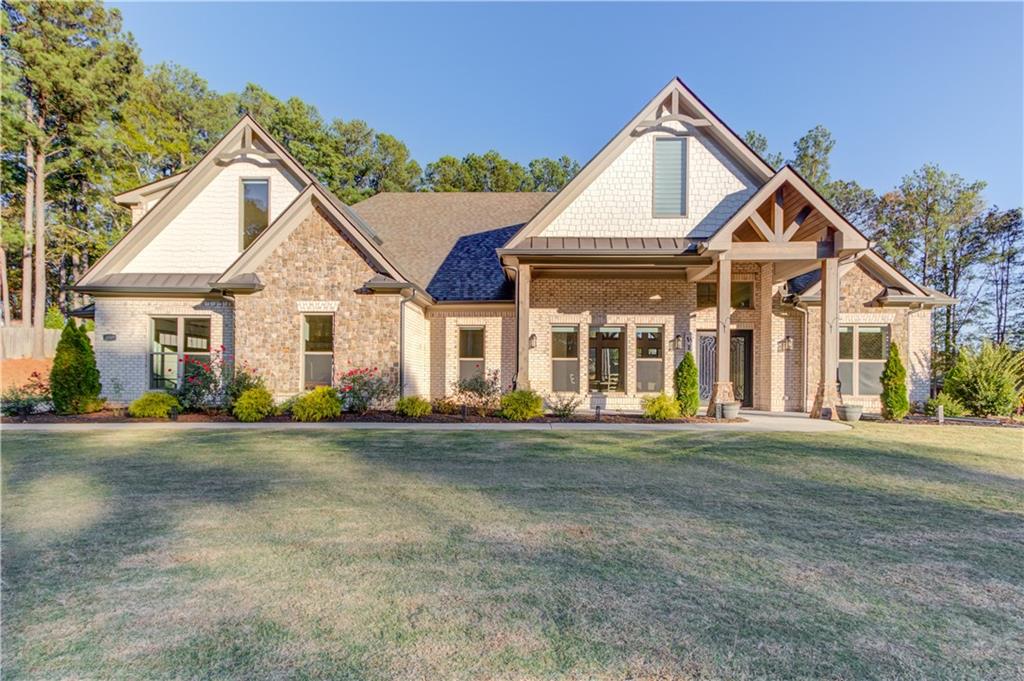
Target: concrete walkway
{"points": [[756, 422]]}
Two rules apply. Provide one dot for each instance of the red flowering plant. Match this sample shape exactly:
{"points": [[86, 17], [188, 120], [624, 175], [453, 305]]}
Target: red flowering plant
{"points": [[481, 392], [200, 381], [362, 389]]}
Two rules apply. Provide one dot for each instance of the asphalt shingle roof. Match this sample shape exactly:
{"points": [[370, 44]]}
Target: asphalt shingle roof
{"points": [[445, 242]]}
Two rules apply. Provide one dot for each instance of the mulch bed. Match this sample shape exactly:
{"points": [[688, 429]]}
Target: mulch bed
{"points": [[121, 416], [922, 420]]}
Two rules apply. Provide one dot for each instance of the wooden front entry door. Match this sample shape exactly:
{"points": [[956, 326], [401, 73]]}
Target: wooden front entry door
{"points": [[741, 365]]}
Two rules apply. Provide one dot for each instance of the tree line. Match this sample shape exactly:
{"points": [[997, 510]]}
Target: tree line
{"points": [[936, 228], [83, 119]]}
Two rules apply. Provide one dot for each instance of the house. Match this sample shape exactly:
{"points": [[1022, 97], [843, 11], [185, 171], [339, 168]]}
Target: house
{"points": [[676, 237]]}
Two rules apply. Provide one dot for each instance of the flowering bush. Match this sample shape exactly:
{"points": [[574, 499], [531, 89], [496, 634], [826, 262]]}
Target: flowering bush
{"points": [[564, 405], [237, 380], [481, 393], [363, 389], [26, 399], [200, 383]]}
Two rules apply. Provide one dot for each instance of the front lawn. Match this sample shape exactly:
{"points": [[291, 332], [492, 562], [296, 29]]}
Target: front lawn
{"points": [[887, 552]]}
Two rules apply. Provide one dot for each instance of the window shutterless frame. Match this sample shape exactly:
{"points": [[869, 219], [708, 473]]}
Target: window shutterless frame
{"points": [[565, 358], [171, 339], [650, 359], [660, 162], [316, 345], [741, 295], [241, 209], [472, 350], [863, 349]]}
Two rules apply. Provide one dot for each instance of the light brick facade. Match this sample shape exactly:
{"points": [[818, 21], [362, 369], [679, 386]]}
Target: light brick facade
{"points": [[124, 335], [499, 345]]}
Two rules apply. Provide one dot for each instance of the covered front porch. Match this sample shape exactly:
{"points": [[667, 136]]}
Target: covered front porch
{"points": [[611, 318]]}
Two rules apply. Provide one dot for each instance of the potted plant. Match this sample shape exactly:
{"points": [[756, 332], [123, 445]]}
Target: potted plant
{"points": [[850, 412], [730, 410]]}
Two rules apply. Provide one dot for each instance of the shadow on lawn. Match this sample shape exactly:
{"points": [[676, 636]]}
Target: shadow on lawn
{"points": [[697, 551]]}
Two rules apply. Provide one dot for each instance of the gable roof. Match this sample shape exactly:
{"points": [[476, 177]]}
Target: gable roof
{"points": [[677, 96], [447, 241]]}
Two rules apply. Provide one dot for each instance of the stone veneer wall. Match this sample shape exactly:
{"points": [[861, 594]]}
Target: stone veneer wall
{"points": [[316, 264], [911, 330], [619, 202], [125, 360]]}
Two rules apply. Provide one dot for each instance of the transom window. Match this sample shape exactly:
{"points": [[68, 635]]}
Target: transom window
{"points": [[167, 352], [255, 209], [471, 352], [669, 177], [650, 362], [317, 350], [742, 295], [565, 359], [863, 350]]}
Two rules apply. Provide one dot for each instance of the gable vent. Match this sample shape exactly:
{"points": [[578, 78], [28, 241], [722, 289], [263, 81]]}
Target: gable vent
{"points": [[669, 177]]}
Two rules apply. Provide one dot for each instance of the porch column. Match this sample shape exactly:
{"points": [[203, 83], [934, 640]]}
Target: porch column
{"points": [[721, 391], [826, 398], [523, 328]]}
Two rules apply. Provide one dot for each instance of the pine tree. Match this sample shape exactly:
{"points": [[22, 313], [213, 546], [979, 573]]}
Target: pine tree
{"points": [[895, 403], [687, 385]]}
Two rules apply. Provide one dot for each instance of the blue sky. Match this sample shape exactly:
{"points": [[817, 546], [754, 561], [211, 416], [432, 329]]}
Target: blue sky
{"points": [[898, 85]]}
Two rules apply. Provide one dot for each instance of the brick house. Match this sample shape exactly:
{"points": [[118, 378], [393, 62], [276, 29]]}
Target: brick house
{"points": [[676, 237]]}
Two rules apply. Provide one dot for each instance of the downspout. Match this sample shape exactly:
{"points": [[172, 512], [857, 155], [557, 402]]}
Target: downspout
{"points": [[401, 341], [803, 363]]}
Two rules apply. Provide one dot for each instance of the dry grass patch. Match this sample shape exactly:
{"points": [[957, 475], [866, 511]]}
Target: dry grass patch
{"points": [[886, 552]]}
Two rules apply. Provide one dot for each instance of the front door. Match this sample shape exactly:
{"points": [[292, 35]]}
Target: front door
{"points": [[741, 364], [607, 350]]}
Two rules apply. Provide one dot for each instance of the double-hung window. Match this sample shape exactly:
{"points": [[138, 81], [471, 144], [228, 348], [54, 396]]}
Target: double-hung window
{"points": [[172, 339], [471, 352], [317, 350], [669, 177], [863, 350], [650, 359], [565, 359], [255, 209]]}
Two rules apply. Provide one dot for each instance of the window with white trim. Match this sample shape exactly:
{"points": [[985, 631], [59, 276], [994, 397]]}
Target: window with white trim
{"points": [[167, 352], [863, 349], [471, 352], [317, 350]]}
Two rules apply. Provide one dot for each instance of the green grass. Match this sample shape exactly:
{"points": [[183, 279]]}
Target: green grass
{"points": [[888, 552]]}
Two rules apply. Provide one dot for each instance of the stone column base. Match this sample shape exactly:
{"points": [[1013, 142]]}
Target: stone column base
{"points": [[826, 399], [721, 391]]}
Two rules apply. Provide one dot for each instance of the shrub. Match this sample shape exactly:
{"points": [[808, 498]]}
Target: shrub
{"points": [[200, 384], [895, 403], [445, 405], [54, 318], [236, 380], [255, 404], [413, 407], [521, 405], [285, 408], [26, 399], [687, 386], [950, 405], [154, 405], [74, 378], [481, 393], [564, 405], [363, 389], [316, 405], [987, 380], [661, 407]]}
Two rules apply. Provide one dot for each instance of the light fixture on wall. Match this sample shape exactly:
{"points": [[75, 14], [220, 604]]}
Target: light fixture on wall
{"points": [[677, 342], [787, 343], [533, 340]]}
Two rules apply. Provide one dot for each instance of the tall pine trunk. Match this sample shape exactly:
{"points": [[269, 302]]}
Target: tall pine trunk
{"points": [[39, 174], [26, 250], [3, 285]]}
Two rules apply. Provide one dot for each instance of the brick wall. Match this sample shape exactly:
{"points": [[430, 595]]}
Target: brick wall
{"points": [[416, 370], [318, 265], [125, 361], [499, 345]]}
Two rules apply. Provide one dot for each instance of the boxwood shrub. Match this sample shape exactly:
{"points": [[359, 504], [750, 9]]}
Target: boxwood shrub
{"points": [[154, 405], [316, 405], [521, 405], [661, 407], [413, 407], [254, 404]]}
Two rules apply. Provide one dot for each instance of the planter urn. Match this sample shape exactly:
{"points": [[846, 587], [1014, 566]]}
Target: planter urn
{"points": [[730, 410], [850, 412]]}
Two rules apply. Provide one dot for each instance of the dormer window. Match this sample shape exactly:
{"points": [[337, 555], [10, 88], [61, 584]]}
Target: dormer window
{"points": [[669, 177], [255, 209]]}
